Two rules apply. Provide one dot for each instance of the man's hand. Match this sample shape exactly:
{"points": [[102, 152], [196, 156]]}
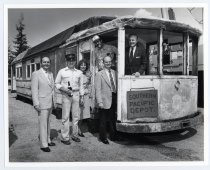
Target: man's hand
{"points": [[37, 108], [63, 89], [67, 91], [100, 105], [137, 74]]}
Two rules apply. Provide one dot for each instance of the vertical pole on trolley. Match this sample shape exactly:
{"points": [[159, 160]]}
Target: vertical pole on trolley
{"points": [[195, 56], [120, 68], [160, 52], [186, 61], [93, 72]]}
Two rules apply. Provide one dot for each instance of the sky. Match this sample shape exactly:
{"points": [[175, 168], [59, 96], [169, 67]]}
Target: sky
{"points": [[41, 24]]}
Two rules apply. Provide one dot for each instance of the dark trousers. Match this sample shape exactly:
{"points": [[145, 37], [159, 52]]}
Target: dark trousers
{"points": [[108, 116]]}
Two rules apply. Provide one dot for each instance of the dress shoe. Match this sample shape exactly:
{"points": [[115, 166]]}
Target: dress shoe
{"points": [[105, 141], [47, 149], [81, 135], [51, 144], [66, 142], [75, 139]]}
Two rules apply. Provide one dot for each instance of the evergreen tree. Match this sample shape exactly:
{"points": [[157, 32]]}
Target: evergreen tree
{"points": [[11, 54], [20, 39]]}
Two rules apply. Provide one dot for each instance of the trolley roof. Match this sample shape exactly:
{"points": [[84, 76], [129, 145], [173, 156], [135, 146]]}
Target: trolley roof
{"points": [[134, 22], [61, 38]]}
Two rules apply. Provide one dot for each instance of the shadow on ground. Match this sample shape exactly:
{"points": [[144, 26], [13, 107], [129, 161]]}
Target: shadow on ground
{"points": [[157, 138], [25, 100], [12, 135], [156, 141]]}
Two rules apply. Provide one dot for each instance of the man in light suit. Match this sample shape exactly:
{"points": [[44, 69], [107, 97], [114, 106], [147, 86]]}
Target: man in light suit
{"points": [[106, 98], [135, 57], [42, 87]]}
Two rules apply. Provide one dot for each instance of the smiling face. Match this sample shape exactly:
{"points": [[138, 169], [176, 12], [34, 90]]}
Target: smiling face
{"points": [[83, 67], [107, 62], [45, 63], [98, 43], [133, 40], [71, 63]]}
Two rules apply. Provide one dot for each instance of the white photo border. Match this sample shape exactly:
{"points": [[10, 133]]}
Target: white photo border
{"points": [[115, 164]]}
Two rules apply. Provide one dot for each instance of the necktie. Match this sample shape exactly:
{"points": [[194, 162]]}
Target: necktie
{"points": [[48, 76], [131, 54], [112, 82]]}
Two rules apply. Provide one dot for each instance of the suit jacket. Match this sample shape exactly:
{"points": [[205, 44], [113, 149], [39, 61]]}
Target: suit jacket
{"points": [[42, 90], [103, 88], [138, 63]]}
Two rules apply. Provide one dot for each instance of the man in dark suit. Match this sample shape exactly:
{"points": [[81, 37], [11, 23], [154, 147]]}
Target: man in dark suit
{"points": [[106, 99], [135, 57]]}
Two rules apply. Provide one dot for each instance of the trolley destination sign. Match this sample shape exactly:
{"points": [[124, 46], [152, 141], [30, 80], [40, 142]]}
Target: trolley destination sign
{"points": [[142, 104]]}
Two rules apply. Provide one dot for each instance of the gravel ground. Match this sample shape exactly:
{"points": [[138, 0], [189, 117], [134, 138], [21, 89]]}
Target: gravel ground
{"points": [[24, 145]]}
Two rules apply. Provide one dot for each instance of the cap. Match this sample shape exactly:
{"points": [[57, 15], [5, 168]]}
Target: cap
{"points": [[96, 38], [70, 57]]}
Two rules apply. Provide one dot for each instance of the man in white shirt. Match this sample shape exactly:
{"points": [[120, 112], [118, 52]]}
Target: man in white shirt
{"points": [[106, 98], [70, 83], [42, 88]]}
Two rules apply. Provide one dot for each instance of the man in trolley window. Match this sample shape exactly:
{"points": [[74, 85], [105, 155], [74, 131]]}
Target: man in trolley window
{"points": [[135, 57], [70, 83], [102, 50]]}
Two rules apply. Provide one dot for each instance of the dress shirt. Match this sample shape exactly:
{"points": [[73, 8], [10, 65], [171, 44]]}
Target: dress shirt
{"points": [[46, 74], [134, 49], [74, 76], [107, 73]]}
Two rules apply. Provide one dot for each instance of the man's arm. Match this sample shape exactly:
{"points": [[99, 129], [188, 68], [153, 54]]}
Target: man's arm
{"points": [[115, 50], [58, 80], [59, 86], [34, 91]]}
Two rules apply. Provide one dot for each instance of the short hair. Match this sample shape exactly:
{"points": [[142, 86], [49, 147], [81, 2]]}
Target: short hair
{"points": [[107, 56], [44, 57], [133, 35], [81, 62]]}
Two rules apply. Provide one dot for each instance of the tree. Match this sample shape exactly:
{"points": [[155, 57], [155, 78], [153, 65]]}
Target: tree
{"points": [[11, 56], [20, 39]]}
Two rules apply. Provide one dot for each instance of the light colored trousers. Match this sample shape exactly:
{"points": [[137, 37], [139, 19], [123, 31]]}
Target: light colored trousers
{"points": [[44, 127], [70, 104]]}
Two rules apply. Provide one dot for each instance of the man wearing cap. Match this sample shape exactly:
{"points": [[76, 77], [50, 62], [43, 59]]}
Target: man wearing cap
{"points": [[70, 83], [102, 50], [135, 58]]}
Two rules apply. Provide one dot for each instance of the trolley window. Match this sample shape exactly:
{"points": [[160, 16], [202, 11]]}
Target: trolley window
{"points": [[141, 51], [28, 71], [172, 55]]}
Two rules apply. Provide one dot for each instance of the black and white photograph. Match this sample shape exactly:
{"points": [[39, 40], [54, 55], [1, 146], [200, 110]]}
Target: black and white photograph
{"points": [[105, 84]]}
